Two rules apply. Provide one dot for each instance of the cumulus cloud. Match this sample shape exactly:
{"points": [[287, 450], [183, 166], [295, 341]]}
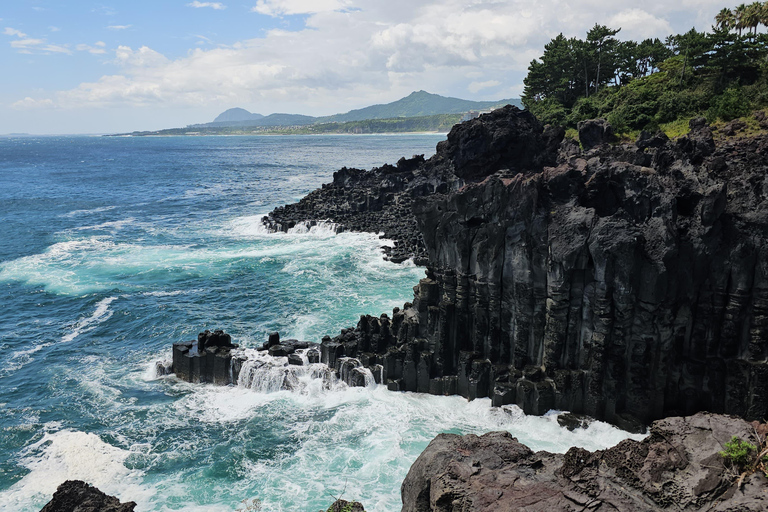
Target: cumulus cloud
{"points": [[638, 24], [213, 5], [356, 52]]}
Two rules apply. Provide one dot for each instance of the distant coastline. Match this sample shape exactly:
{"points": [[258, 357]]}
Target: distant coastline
{"points": [[440, 123]]}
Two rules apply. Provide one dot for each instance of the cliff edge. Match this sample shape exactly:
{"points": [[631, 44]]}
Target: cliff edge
{"points": [[625, 281]]}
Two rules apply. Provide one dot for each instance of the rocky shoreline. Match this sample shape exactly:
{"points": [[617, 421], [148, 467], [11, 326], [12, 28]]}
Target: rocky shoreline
{"points": [[677, 467], [628, 282]]}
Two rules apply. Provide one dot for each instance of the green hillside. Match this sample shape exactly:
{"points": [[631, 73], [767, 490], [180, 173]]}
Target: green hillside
{"points": [[652, 84], [416, 104]]}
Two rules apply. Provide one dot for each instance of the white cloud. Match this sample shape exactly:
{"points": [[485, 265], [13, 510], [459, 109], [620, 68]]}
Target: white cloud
{"points": [[476, 87], [353, 53], [54, 29], [97, 49], [28, 45], [31, 103], [13, 32], [119, 27], [638, 24], [31, 45], [213, 5], [282, 7]]}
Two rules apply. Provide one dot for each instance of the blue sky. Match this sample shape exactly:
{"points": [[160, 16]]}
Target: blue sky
{"points": [[96, 67]]}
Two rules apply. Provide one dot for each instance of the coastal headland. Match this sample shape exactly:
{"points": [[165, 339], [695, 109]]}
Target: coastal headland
{"points": [[624, 281]]}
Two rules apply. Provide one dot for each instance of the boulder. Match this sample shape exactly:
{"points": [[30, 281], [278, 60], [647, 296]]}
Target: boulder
{"points": [[595, 132], [78, 496], [678, 467]]}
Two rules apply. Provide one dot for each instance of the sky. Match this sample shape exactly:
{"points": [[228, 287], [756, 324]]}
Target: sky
{"points": [[80, 66]]}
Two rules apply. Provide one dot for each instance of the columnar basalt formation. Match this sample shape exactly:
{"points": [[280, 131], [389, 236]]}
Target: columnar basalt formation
{"points": [[677, 467], [628, 282], [213, 358]]}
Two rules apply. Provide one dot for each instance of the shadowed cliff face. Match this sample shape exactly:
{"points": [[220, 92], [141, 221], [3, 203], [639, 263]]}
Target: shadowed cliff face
{"points": [[628, 282], [636, 280]]}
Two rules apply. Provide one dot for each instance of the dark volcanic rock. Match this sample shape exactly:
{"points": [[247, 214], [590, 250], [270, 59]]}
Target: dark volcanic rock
{"points": [[208, 359], [381, 200], [499, 140], [677, 467], [78, 496], [628, 283], [595, 132]]}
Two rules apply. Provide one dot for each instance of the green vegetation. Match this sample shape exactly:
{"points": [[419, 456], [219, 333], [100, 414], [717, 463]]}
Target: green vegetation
{"points": [[738, 452], [722, 74], [436, 123], [416, 104], [745, 458]]}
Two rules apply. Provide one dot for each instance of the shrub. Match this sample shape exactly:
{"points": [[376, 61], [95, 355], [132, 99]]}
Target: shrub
{"points": [[738, 453]]}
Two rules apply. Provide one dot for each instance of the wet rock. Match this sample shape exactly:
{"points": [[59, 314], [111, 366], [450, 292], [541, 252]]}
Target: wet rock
{"points": [[346, 506], [677, 467], [295, 359], [78, 496], [216, 338], [626, 282], [281, 350], [208, 359], [573, 421]]}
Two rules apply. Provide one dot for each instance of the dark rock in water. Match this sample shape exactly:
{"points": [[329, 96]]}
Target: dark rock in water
{"points": [[280, 350], [346, 506], [209, 359], [595, 132], [78, 496], [216, 338], [296, 360], [274, 339], [163, 368], [313, 355], [677, 467], [573, 421]]}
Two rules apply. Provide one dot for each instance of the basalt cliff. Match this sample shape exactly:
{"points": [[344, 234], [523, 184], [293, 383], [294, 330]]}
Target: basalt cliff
{"points": [[628, 282]]}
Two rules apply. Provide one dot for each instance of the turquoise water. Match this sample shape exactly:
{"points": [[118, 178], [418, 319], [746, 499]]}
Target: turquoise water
{"points": [[113, 248]]}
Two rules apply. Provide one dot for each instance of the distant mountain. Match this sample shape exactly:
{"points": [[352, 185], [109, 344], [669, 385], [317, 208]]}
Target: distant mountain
{"points": [[235, 115], [417, 104]]}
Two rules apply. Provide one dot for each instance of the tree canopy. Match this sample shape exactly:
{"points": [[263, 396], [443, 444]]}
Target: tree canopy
{"points": [[720, 73]]}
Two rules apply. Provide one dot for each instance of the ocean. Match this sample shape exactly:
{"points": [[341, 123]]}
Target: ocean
{"points": [[114, 248]]}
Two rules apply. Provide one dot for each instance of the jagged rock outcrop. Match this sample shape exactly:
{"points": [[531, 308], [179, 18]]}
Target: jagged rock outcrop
{"points": [[377, 201], [78, 496], [346, 506], [627, 282], [677, 467]]}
